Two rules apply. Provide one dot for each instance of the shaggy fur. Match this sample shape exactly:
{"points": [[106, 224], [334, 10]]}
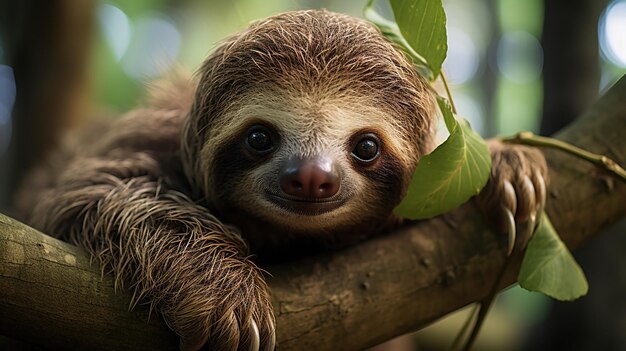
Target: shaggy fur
{"points": [[119, 196], [318, 78], [143, 194]]}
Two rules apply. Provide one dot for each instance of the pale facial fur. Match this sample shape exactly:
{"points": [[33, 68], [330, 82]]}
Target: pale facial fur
{"points": [[309, 126], [317, 94]]}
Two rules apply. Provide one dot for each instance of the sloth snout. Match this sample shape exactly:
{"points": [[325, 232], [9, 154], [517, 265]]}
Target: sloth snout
{"points": [[313, 178]]}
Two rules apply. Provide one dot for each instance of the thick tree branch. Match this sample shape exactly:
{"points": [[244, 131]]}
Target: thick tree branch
{"points": [[51, 296]]}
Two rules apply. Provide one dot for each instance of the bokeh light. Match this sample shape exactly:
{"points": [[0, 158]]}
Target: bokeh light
{"points": [[612, 33], [154, 47], [472, 17], [519, 56], [469, 108], [463, 57], [115, 27]]}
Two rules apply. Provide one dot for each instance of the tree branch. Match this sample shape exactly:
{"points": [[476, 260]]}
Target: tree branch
{"points": [[51, 295]]}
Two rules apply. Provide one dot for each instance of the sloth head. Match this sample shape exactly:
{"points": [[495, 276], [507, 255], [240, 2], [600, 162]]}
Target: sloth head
{"points": [[307, 122]]}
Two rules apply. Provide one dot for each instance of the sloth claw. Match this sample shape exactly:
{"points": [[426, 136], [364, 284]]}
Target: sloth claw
{"points": [[255, 341], [255, 337], [272, 340], [541, 195], [515, 195], [522, 220], [511, 230], [514, 199], [526, 199], [510, 198], [233, 338]]}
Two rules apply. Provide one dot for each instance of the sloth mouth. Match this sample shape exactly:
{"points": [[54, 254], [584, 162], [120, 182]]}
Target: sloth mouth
{"points": [[306, 207]]}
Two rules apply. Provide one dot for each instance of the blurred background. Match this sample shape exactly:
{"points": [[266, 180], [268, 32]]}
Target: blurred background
{"points": [[514, 65]]}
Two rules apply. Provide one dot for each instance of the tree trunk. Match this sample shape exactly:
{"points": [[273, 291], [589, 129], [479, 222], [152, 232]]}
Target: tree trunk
{"points": [[47, 43], [571, 64], [345, 300]]}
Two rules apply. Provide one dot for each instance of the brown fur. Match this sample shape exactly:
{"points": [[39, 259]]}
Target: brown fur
{"points": [[314, 65], [118, 196], [513, 164], [303, 54], [142, 194]]}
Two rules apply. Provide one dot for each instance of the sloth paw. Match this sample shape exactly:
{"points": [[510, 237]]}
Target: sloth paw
{"points": [[233, 336], [239, 319], [515, 194]]}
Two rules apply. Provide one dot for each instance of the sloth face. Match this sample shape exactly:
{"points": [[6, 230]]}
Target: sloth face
{"points": [[308, 122], [307, 163]]}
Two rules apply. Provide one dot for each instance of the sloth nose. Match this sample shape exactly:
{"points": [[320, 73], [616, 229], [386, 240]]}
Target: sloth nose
{"points": [[315, 178]]}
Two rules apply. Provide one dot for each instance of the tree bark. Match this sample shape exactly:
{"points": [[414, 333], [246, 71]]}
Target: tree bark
{"points": [[361, 296]]}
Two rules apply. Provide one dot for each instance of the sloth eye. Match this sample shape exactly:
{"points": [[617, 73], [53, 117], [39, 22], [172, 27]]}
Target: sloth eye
{"points": [[367, 148], [259, 139]]}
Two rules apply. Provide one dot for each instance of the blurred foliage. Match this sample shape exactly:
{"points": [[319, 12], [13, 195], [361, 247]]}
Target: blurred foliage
{"points": [[516, 104], [521, 15], [201, 24]]}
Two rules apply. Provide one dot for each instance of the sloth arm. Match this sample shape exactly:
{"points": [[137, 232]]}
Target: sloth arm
{"points": [[156, 241]]}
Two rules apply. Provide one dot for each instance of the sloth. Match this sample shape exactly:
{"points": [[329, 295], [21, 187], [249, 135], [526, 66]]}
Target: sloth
{"points": [[297, 134]]}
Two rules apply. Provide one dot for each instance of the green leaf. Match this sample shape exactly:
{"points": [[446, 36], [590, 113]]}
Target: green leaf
{"points": [[392, 32], [447, 177], [548, 266], [423, 25]]}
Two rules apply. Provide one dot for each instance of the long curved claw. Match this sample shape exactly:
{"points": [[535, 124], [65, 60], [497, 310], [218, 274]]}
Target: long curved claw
{"points": [[527, 214], [541, 196], [526, 199], [516, 192], [271, 345], [255, 340], [529, 228], [510, 197], [509, 207], [511, 231]]}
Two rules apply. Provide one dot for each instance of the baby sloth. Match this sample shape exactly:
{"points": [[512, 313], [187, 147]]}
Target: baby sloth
{"points": [[301, 131]]}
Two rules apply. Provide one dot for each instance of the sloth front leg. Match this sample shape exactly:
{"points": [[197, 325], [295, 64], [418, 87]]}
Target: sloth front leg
{"points": [[513, 200], [515, 194], [173, 253]]}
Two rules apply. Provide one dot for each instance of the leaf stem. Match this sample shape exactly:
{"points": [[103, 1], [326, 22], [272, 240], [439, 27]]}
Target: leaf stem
{"points": [[601, 161], [445, 84], [456, 344]]}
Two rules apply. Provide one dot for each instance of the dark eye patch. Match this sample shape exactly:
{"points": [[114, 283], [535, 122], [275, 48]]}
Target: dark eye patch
{"points": [[385, 172], [236, 157], [387, 177]]}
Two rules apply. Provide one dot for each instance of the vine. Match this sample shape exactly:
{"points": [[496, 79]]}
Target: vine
{"points": [[529, 138]]}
